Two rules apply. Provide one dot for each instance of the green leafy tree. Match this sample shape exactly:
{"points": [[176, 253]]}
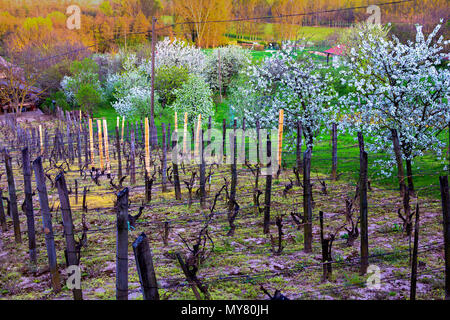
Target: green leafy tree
{"points": [[352, 38], [88, 97], [223, 64], [106, 9], [140, 26], [167, 80], [84, 78], [194, 97]]}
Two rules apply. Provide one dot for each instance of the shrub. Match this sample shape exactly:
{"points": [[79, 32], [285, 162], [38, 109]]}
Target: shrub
{"points": [[177, 53], [194, 97], [107, 65], [167, 80], [51, 77], [134, 75], [84, 77], [243, 99], [88, 97], [232, 60], [136, 103], [60, 100]]}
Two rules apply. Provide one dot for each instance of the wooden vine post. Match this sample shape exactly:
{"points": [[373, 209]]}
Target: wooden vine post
{"points": [[185, 133], [132, 157], [123, 128], [232, 201], [299, 152], [148, 183], [164, 159], [412, 296], [66, 214], [175, 161], [445, 197], [105, 134], [12, 196], [224, 139], [47, 223], [46, 142], [202, 171], [87, 160], [41, 140], [2, 213], [268, 190], [334, 151], [176, 121], [197, 139], [79, 145], [100, 144], [28, 205], [147, 148], [307, 201], [91, 143], [280, 139], [81, 129], [70, 144], [145, 269], [122, 246], [363, 206]]}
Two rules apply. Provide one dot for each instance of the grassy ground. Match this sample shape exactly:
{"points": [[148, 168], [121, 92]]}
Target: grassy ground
{"points": [[268, 32], [426, 168]]}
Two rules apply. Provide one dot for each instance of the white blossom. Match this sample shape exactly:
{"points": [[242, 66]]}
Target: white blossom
{"points": [[398, 86]]}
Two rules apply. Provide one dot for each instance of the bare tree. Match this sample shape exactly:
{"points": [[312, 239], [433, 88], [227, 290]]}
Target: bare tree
{"points": [[17, 86]]}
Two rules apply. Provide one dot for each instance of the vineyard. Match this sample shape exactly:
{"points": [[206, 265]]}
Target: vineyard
{"points": [[140, 225], [224, 150]]}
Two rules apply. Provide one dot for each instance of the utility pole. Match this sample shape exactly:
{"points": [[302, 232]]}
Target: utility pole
{"points": [[152, 120], [125, 31], [220, 78]]}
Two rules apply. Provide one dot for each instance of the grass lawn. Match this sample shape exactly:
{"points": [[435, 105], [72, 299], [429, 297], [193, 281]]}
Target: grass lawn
{"points": [[316, 33], [426, 169], [310, 33], [111, 115], [256, 55]]}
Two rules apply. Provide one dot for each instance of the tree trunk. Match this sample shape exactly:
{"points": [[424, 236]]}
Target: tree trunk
{"points": [[410, 177], [399, 160]]}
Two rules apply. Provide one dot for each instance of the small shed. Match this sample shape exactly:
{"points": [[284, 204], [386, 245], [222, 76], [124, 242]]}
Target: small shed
{"points": [[336, 53]]}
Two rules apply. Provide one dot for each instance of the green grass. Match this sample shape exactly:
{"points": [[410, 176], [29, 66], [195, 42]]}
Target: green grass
{"points": [[256, 55], [316, 33], [427, 168], [110, 114], [269, 30], [167, 19], [260, 55]]}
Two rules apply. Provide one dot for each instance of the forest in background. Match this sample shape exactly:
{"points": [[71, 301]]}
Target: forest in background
{"points": [[34, 34], [29, 23]]}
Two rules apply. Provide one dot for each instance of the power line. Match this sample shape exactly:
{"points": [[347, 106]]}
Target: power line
{"points": [[287, 15]]}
